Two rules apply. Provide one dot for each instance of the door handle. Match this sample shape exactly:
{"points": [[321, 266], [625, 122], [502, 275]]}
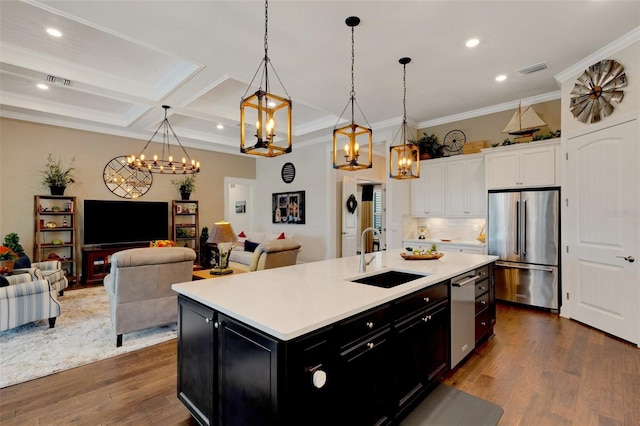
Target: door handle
{"points": [[517, 250], [524, 228], [629, 259]]}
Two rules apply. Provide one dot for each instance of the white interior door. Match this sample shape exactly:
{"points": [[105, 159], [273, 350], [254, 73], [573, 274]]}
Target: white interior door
{"points": [[603, 228], [349, 220]]}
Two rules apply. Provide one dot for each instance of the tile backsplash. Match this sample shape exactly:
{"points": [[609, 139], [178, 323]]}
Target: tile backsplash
{"points": [[460, 229]]}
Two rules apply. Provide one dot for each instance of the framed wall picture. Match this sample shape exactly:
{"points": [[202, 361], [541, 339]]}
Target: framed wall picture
{"points": [[288, 207], [241, 207]]}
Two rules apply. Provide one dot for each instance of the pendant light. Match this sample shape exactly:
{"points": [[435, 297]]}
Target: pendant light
{"points": [[404, 161], [164, 163], [352, 135], [268, 112]]}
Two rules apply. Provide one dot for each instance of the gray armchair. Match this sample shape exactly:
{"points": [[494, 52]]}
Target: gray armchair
{"points": [[139, 287], [275, 254]]}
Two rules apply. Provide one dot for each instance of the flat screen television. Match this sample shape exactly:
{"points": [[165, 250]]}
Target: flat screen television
{"points": [[111, 223]]}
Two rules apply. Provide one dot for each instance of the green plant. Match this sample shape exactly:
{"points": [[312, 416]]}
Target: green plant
{"points": [[187, 183], [428, 144], [55, 174], [12, 241], [550, 135]]}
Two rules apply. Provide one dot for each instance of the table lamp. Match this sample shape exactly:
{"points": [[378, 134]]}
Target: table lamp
{"points": [[222, 232]]}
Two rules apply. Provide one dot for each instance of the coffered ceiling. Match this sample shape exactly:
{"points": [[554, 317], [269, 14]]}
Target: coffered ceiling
{"points": [[118, 62]]}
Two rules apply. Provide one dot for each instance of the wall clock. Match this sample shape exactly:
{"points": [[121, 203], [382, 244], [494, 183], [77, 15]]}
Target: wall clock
{"points": [[453, 141], [596, 89], [124, 181]]}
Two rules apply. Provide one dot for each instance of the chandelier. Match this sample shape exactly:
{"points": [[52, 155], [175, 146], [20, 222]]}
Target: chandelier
{"points": [[164, 163], [404, 161], [352, 134], [266, 110]]}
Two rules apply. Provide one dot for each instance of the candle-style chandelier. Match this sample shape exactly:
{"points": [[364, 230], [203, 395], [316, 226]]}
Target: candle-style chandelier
{"points": [[164, 164], [352, 134], [266, 110], [404, 161]]}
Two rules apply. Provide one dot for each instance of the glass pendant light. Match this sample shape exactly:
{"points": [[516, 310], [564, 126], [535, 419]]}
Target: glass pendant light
{"points": [[269, 113], [355, 138], [404, 161]]}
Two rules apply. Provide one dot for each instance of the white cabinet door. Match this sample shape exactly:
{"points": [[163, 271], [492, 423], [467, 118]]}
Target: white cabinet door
{"points": [[427, 194], [465, 189], [601, 265], [522, 167], [538, 167]]}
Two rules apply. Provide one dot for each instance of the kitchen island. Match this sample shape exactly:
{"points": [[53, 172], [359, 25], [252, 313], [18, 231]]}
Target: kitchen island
{"points": [[306, 345]]}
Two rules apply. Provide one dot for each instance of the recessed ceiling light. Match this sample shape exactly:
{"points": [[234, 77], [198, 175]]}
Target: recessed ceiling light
{"points": [[220, 126], [501, 77], [472, 42], [42, 86], [53, 32]]}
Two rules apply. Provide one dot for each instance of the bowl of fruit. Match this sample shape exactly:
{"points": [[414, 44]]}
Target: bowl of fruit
{"points": [[421, 254]]}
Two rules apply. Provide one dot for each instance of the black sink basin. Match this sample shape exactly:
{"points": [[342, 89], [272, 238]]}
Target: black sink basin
{"points": [[388, 279]]}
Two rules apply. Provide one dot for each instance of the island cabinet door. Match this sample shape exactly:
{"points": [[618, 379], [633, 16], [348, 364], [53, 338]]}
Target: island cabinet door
{"points": [[247, 375], [197, 360], [421, 353], [364, 381]]}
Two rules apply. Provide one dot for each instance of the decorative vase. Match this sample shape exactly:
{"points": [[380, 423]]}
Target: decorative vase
{"points": [[425, 156], [57, 189], [185, 195], [8, 264]]}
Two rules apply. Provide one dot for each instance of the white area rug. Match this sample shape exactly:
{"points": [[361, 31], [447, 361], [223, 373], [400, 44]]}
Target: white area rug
{"points": [[83, 334]]}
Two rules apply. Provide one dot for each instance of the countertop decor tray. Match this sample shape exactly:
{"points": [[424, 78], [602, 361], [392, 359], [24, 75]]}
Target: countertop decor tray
{"points": [[408, 256]]}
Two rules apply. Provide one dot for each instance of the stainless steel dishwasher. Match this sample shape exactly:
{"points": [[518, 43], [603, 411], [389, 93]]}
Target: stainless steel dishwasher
{"points": [[463, 311]]}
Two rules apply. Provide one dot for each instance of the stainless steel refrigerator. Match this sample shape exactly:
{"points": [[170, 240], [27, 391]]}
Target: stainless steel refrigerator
{"points": [[524, 232]]}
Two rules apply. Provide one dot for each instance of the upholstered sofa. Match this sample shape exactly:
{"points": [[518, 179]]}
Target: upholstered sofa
{"points": [[248, 241], [26, 300], [139, 286], [272, 254]]}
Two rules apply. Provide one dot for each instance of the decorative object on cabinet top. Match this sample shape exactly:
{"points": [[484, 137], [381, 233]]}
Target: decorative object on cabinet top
{"points": [[454, 141], [56, 176], [186, 185], [429, 147]]}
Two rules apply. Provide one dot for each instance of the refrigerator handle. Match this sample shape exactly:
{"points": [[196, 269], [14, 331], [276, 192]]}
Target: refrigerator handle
{"points": [[517, 250], [524, 228]]}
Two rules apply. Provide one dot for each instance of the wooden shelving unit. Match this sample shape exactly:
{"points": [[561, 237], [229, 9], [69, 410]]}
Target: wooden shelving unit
{"points": [[55, 220], [186, 225]]}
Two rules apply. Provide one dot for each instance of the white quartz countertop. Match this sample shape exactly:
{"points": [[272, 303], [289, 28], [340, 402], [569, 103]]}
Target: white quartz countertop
{"points": [[291, 301]]}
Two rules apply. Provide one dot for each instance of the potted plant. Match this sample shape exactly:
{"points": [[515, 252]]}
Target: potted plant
{"points": [[186, 185], [12, 242], [429, 147], [56, 176]]}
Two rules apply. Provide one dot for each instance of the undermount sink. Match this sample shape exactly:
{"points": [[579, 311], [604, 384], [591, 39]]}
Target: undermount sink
{"points": [[388, 279]]}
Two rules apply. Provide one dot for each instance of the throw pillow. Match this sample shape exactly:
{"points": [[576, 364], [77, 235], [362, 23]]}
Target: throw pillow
{"points": [[241, 235], [3, 281], [22, 262], [281, 236], [162, 243], [250, 246]]}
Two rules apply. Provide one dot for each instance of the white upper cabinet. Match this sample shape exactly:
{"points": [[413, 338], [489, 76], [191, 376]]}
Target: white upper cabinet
{"points": [[465, 194], [427, 192], [530, 165]]}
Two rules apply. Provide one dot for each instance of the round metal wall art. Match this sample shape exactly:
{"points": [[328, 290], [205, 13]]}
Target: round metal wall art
{"points": [[453, 141], [124, 181], [596, 89]]}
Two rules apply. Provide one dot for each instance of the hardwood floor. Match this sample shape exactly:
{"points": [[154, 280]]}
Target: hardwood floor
{"points": [[540, 368]]}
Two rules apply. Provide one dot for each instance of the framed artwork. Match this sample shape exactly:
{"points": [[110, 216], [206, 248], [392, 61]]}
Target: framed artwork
{"points": [[241, 206], [288, 207]]}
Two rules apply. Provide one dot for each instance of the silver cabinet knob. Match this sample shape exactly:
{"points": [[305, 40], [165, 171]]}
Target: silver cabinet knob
{"points": [[426, 299], [629, 259], [427, 318], [369, 324], [370, 345]]}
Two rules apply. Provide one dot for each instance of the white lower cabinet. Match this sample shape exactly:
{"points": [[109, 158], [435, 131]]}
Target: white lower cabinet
{"points": [[526, 166]]}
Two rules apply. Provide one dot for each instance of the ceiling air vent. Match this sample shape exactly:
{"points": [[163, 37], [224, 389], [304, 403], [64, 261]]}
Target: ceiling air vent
{"points": [[58, 80], [533, 68]]}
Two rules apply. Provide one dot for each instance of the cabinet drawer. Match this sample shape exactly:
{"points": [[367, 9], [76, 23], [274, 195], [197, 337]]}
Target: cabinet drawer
{"points": [[483, 324], [482, 287], [482, 302], [362, 325], [421, 299]]}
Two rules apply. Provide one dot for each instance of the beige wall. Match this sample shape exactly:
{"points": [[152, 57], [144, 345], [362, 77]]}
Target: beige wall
{"points": [[489, 127], [24, 147]]}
